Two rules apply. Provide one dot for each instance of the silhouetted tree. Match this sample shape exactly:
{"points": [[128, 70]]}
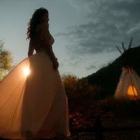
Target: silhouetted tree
{"points": [[77, 88], [6, 60]]}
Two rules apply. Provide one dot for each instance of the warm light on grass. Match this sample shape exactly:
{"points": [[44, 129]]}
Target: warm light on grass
{"points": [[26, 71]]}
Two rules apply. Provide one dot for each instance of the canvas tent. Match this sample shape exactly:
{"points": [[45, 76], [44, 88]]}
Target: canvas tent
{"points": [[129, 85]]}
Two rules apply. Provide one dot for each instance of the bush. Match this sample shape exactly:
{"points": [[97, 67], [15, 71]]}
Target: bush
{"points": [[122, 108], [6, 61], [78, 88]]}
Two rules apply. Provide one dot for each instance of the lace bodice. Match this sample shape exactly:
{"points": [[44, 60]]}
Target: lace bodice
{"points": [[43, 28], [42, 33]]}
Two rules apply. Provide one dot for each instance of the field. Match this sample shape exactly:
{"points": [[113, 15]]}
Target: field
{"points": [[118, 120]]}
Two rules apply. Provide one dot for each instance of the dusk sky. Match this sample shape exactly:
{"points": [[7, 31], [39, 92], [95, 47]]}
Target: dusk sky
{"points": [[85, 31]]}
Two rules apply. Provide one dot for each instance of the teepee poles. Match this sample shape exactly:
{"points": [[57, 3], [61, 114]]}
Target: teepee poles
{"points": [[123, 47]]}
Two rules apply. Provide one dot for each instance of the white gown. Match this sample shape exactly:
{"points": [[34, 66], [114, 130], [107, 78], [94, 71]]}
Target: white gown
{"points": [[34, 104]]}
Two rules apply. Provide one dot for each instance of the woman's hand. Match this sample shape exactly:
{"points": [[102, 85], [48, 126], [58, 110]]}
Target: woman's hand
{"points": [[55, 64]]}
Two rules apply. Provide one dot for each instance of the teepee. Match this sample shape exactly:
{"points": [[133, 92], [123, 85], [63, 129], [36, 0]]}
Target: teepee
{"points": [[129, 82], [129, 85]]}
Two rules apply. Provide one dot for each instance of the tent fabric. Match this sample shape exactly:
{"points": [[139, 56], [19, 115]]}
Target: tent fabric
{"points": [[129, 85]]}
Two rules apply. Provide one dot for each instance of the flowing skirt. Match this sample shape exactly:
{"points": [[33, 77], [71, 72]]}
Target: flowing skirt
{"points": [[33, 100]]}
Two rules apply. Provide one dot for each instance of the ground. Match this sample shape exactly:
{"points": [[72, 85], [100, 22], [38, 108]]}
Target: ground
{"points": [[119, 120], [115, 120]]}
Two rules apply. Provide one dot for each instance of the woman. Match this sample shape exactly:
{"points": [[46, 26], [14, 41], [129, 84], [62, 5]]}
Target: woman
{"points": [[34, 104]]}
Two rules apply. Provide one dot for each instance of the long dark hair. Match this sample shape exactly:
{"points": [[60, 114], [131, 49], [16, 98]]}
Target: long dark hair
{"points": [[35, 20]]}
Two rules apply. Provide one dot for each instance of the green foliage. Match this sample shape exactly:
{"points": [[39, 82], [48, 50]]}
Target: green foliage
{"points": [[80, 96], [5, 61], [77, 89]]}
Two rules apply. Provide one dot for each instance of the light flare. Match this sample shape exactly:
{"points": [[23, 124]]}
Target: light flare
{"points": [[26, 71]]}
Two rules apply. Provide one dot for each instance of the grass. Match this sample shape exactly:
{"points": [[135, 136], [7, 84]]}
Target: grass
{"points": [[120, 119]]}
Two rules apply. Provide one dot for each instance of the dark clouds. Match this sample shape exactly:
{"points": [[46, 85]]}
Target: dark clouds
{"points": [[107, 23], [91, 67]]}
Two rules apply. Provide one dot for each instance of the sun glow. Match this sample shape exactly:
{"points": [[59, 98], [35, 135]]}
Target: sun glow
{"points": [[26, 71]]}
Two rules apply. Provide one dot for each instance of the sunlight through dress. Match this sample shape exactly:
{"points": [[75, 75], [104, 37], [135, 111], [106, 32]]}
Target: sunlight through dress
{"points": [[32, 96]]}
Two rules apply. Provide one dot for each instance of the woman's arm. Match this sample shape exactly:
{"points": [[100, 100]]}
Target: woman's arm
{"points": [[31, 49]]}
